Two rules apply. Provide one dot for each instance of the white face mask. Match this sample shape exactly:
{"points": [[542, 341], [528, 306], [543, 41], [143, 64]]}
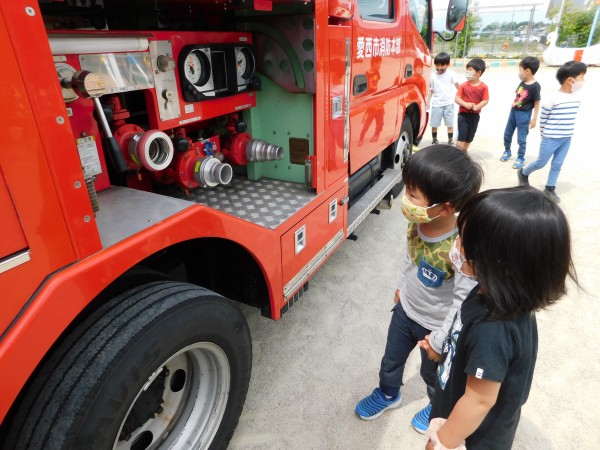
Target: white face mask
{"points": [[577, 85], [469, 75], [457, 260]]}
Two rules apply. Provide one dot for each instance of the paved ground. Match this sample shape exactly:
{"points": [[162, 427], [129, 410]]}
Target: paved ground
{"points": [[311, 367]]}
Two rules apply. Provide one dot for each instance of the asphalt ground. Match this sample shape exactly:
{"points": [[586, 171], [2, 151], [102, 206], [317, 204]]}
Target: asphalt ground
{"points": [[311, 367]]}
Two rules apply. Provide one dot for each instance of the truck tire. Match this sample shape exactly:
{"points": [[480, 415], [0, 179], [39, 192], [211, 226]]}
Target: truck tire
{"points": [[401, 150], [164, 365]]}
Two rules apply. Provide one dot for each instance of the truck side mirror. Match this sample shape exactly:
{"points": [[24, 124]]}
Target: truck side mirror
{"points": [[341, 9], [457, 13]]}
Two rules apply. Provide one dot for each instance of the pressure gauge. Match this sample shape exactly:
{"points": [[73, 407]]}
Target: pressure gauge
{"points": [[196, 68], [244, 62]]}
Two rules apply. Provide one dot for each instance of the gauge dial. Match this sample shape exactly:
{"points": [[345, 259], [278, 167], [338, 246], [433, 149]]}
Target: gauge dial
{"points": [[196, 68], [244, 62]]}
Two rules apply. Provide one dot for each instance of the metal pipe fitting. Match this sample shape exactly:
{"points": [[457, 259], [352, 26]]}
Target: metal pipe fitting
{"points": [[152, 149], [209, 172], [258, 150]]}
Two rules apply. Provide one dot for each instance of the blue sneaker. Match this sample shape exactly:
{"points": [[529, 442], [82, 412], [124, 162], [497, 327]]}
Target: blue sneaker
{"points": [[421, 420], [505, 156], [519, 163], [372, 406]]}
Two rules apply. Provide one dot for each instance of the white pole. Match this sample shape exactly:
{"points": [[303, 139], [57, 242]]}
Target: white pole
{"points": [[560, 13], [589, 42]]}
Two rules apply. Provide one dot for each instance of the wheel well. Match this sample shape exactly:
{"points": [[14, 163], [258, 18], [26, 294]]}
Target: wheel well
{"points": [[220, 265], [413, 113], [415, 119]]}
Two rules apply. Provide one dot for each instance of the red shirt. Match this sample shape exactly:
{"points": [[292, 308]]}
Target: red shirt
{"points": [[472, 94]]}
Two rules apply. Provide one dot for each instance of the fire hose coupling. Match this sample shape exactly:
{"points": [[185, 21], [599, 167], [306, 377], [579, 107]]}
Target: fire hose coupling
{"points": [[258, 150], [209, 172], [243, 148], [152, 150]]}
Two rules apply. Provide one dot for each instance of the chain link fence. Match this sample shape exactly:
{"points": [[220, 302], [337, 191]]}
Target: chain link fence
{"points": [[500, 46], [500, 34]]}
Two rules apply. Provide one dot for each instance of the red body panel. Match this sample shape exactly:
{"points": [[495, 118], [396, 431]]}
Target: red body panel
{"points": [[318, 232], [13, 239]]}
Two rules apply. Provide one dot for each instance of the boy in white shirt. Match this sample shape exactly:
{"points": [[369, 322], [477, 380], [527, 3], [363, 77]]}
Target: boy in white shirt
{"points": [[442, 91]]}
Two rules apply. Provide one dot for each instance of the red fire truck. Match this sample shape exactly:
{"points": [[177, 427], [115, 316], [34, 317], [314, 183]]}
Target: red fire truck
{"points": [[162, 160]]}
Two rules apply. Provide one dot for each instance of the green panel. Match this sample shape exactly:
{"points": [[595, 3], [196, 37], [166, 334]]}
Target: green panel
{"points": [[278, 116]]}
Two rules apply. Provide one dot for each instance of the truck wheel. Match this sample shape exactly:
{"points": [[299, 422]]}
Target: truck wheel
{"points": [[401, 150], [164, 365]]}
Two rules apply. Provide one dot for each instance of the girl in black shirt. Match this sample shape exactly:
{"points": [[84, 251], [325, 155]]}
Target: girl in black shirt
{"points": [[516, 244]]}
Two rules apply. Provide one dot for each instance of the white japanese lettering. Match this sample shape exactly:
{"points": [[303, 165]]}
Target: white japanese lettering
{"points": [[368, 47], [360, 48], [375, 46]]}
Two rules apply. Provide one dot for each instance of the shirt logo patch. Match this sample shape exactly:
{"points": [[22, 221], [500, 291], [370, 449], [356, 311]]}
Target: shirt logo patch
{"points": [[479, 373], [429, 275]]}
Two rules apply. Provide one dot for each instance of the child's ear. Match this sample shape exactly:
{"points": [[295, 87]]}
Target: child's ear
{"points": [[447, 209]]}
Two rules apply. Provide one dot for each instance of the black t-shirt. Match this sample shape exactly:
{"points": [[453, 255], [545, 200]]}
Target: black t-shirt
{"points": [[527, 95], [500, 351]]}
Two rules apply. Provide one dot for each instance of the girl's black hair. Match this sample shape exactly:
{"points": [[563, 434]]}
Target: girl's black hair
{"points": [[443, 173], [519, 244]]}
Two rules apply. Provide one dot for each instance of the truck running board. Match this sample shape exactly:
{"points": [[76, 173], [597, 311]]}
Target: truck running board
{"points": [[361, 209]]}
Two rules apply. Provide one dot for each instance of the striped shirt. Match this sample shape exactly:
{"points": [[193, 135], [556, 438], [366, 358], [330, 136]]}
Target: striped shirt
{"points": [[557, 119]]}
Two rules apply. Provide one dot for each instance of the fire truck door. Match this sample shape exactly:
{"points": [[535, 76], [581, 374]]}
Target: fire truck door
{"points": [[376, 59], [415, 40]]}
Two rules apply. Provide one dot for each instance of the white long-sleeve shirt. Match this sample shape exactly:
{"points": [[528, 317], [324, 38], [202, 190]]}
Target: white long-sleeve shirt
{"points": [[558, 114]]}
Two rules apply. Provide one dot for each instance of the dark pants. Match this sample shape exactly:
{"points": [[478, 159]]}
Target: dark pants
{"points": [[467, 126], [402, 338], [520, 120]]}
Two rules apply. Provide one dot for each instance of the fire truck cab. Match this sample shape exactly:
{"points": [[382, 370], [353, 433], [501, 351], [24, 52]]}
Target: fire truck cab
{"points": [[162, 160]]}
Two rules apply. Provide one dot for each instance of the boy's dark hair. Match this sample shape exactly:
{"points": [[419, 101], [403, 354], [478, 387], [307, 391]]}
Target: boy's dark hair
{"points": [[570, 69], [531, 63], [441, 59], [477, 64], [443, 173], [519, 244]]}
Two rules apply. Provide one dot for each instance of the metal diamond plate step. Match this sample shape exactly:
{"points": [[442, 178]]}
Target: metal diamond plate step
{"points": [[265, 202], [361, 209]]}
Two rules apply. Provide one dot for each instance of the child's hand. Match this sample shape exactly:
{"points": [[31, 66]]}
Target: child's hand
{"points": [[397, 296], [475, 107], [431, 353], [532, 124], [429, 445]]}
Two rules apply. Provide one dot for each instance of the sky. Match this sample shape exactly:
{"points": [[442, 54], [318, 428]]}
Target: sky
{"points": [[518, 10]]}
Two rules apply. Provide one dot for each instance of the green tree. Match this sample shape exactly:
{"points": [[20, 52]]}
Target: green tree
{"points": [[491, 26], [575, 25], [465, 37]]}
